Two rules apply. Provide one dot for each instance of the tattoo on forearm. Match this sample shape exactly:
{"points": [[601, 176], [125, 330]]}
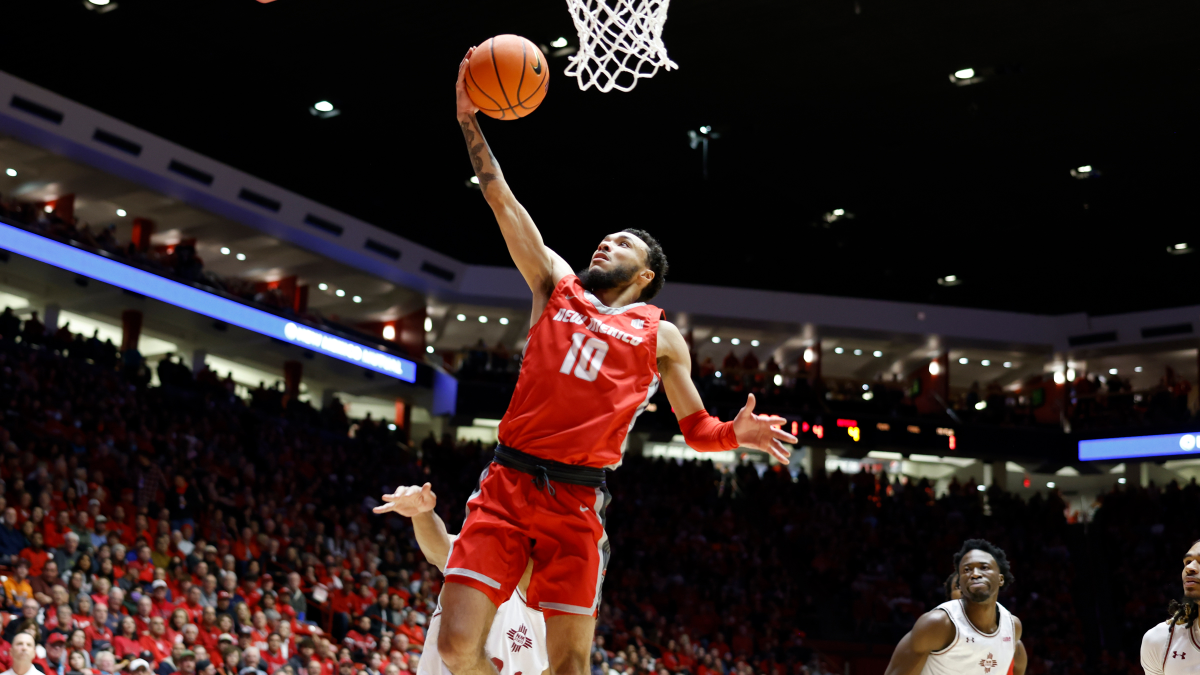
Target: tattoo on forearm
{"points": [[476, 150]]}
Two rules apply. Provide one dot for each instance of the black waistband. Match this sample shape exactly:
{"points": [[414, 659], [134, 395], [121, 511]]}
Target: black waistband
{"points": [[544, 470]]}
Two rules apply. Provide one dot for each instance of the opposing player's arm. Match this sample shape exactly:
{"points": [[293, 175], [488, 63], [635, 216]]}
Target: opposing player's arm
{"points": [[702, 431], [541, 267], [933, 632], [1020, 658], [417, 503]]}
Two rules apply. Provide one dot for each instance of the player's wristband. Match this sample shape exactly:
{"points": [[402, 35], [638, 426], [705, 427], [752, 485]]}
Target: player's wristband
{"points": [[705, 433]]}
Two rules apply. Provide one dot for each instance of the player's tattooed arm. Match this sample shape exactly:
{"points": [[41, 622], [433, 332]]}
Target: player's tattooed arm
{"points": [[541, 267], [932, 632]]}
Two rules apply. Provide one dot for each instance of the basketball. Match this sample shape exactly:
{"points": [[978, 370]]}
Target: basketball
{"points": [[507, 77]]}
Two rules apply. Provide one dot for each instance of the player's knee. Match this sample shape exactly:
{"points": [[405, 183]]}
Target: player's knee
{"points": [[570, 663], [459, 649]]}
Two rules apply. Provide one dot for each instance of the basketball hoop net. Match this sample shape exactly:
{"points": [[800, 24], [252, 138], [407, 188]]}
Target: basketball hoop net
{"points": [[620, 42]]}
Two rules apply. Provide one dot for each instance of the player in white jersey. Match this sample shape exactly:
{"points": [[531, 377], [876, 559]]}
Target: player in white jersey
{"points": [[972, 635], [516, 643], [1173, 646]]}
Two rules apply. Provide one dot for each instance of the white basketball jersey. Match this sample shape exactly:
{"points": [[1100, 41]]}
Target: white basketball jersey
{"points": [[973, 652], [1167, 652], [516, 642]]}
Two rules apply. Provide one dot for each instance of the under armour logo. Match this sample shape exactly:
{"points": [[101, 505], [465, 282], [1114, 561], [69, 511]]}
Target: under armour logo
{"points": [[988, 663], [638, 324], [519, 638], [1181, 655]]}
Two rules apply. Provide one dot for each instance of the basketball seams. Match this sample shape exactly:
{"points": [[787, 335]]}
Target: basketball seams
{"points": [[499, 80], [536, 90], [524, 65], [481, 90]]}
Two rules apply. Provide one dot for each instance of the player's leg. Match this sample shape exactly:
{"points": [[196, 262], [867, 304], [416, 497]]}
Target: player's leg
{"points": [[484, 565], [466, 618], [569, 643]]}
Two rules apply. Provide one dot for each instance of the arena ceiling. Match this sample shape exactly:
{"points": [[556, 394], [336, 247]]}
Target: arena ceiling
{"points": [[820, 105]]}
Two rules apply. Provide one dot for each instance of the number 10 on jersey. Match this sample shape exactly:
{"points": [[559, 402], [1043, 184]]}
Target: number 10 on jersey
{"points": [[584, 358]]}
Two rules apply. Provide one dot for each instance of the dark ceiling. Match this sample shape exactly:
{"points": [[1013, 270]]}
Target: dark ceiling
{"points": [[820, 105]]}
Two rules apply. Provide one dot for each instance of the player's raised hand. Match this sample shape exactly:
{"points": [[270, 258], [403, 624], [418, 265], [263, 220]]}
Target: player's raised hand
{"points": [[762, 432], [465, 105], [408, 500]]}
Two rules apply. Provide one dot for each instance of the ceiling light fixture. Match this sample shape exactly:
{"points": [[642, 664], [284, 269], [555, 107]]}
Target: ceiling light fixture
{"points": [[340, 293], [718, 374], [12, 173], [322, 286], [964, 76], [483, 319], [1179, 249], [965, 73], [559, 43], [429, 349], [241, 256], [1008, 364], [225, 251], [754, 343], [357, 298], [716, 340], [778, 380], [389, 332], [504, 321], [1138, 369], [428, 325], [461, 317], [1070, 374], [48, 209], [1050, 485], [963, 361], [100, 6], [121, 213], [735, 342], [324, 110], [877, 354], [858, 352], [985, 362], [1112, 371], [934, 368], [838, 350], [1085, 171], [949, 280]]}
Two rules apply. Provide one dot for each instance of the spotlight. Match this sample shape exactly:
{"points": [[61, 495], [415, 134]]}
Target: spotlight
{"points": [[965, 76], [559, 43], [429, 349], [1070, 374], [322, 286], [1050, 485], [1121, 481], [985, 362], [461, 317], [121, 213], [838, 350], [48, 209], [949, 280], [754, 343], [1138, 369], [1112, 371], [716, 340], [428, 325], [241, 256], [836, 215], [324, 110], [12, 173], [735, 342], [1008, 364], [981, 405], [1085, 171], [778, 380], [718, 373], [1177, 249], [963, 361], [100, 6], [474, 180], [934, 368], [980, 488], [809, 355], [483, 319], [877, 354], [866, 387], [858, 352], [965, 73], [389, 332], [504, 321], [340, 293], [357, 298], [225, 251], [1059, 378], [391, 427]]}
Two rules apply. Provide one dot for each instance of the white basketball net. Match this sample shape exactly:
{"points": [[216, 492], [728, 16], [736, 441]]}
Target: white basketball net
{"points": [[618, 40]]}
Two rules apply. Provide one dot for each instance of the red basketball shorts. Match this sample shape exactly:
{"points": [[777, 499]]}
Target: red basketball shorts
{"points": [[509, 520]]}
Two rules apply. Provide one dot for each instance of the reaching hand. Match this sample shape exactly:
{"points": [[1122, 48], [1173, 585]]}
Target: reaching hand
{"points": [[409, 500], [762, 432], [465, 105]]}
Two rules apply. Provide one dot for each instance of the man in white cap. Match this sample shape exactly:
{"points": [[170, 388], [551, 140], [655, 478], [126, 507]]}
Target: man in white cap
{"points": [[137, 667], [23, 651]]}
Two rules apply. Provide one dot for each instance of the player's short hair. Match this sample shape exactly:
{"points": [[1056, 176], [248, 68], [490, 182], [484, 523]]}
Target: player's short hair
{"points": [[951, 584], [656, 260], [990, 549]]}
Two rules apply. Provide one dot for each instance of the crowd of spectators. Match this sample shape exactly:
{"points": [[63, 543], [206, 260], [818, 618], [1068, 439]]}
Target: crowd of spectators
{"points": [[194, 530]]}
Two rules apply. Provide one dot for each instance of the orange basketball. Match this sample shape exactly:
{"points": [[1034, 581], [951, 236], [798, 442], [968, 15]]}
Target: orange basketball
{"points": [[507, 77]]}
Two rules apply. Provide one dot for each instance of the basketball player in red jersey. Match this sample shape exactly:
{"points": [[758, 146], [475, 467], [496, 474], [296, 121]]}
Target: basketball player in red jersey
{"points": [[595, 355]]}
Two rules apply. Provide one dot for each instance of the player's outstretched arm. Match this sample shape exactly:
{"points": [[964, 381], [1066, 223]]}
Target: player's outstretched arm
{"points": [[932, 632], [417, 503], [702, 431], [541, 267]]}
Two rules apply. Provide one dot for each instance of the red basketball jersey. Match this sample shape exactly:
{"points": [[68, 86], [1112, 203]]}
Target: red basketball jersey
{"points": [[589, 371]]}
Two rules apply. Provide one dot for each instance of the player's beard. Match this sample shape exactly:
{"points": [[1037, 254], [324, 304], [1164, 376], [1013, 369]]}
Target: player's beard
{"points": [[595, 279]]}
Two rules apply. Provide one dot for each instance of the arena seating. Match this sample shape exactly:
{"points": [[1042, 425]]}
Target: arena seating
{"points": [[183, 497]]}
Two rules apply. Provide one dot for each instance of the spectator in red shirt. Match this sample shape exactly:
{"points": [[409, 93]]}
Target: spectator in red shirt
{"points": [[192, 606], [155, 640], [145, 612], [36, 554], [56, 654], [360, 640], [98, 634], [410, 629], [158, 596], [273, 656]]}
